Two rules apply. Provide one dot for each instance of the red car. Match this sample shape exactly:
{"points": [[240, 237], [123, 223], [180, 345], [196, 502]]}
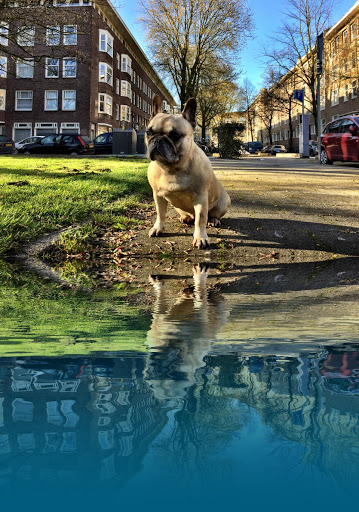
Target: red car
{"points": [[340, 140]]}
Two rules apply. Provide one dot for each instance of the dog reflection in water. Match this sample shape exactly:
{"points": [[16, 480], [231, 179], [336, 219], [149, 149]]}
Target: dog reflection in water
{"points": [[181, 335]]}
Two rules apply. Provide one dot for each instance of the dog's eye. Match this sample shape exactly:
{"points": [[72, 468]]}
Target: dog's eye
{"points": [[149, 132], [175, 136]]}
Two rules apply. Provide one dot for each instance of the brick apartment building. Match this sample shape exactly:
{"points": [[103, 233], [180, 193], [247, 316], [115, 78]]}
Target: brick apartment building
{"points": [[339, 83], [105, 81]]}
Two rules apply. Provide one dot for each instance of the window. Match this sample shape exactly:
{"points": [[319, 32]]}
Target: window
{"points": [[335, 97], [4, 31], [52, 68], [26, 36], [126, 89], [117, 86], [2, 99], [105, 104], [105, 73], [322, 101], [117, 112], [353, 31], [106, 42], [126, 64], [69, 67], [53, 35], [51, 100], [125, 113], [70, 34], [23, 100], [346, 92], [345, 37], [353, 59], [25, 68], [68, 100], [354, 89], [118, 61], [3, 67], [345, 65]]}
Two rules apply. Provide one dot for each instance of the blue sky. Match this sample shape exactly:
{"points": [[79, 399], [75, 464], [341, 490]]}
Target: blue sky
{"points": [[267, 17]]}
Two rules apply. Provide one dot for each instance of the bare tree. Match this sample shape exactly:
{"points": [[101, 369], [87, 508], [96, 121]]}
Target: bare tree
{"points": [[187, 35], [293, 48], [248, 94]]}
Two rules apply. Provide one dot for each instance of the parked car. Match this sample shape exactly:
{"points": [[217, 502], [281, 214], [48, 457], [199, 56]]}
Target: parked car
{"points": [[313, 148], [103, 143], [61, 144], [266, 149], [7, 145], [340, 140], [252, 147], [278, 149], [28, 140]]}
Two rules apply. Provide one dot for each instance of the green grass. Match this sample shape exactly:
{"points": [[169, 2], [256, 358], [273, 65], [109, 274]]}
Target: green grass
{"points": [[40, 195]]}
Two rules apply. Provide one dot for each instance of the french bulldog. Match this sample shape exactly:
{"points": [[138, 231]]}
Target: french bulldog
{"points": [[181, 174]]}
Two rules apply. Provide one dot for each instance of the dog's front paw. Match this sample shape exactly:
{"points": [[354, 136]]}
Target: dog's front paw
{"points": [[201, 242], [155, 231]]}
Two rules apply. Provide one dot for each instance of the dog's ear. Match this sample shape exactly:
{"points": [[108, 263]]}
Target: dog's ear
{"points": [[156, 105], [189, 112]]}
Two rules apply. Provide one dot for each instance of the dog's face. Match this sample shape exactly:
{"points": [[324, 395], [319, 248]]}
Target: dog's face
{"points": [[169, 137]]}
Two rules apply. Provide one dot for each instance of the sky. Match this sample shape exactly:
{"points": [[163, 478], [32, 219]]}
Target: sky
{"points": [[267, 18]]}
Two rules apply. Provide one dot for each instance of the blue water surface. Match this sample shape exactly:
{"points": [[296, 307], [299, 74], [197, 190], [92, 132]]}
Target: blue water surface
{"points": [[243, 402]]}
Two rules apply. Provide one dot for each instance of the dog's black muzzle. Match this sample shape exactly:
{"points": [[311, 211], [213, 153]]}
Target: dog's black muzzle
{"points": [[161, 147]]}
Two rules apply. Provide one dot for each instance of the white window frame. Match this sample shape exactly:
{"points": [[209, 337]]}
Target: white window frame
{"points": [[18, 94], [66, 126], [335, 97], [354, 89], [106, 42], [52, 66], [70, 37], [26, 37], [47, 99], [117, 86], [53, 35], [42, 126], [118, 60], [3, 66], [125, 113], [66, 67], [346, 92], [23, 66], [105, 103], [126, 89], [64, 99], [2, 99], [105, 73], [126, 64], [117, 112]]}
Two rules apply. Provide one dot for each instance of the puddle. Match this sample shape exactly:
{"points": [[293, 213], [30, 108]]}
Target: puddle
{"points": [[188, 390]]}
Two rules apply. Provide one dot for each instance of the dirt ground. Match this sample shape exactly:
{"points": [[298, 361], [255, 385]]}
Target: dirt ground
{"points": [[291, 216]]}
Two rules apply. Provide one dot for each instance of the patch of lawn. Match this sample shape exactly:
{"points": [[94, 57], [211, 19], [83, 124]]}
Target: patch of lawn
{"points": [[42, 194]]}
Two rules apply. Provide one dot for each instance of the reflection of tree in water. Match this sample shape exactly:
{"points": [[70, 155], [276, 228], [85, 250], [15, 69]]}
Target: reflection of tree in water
{"points": [[292, 399]]}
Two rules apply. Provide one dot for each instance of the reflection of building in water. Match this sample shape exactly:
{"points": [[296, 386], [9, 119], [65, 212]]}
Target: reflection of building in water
{"points": [[299, 404], [100, 414], [59, 419]]}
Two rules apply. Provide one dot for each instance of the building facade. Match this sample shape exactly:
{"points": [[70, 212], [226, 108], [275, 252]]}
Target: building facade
{"points": [[93, 78], [338, 88]]}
